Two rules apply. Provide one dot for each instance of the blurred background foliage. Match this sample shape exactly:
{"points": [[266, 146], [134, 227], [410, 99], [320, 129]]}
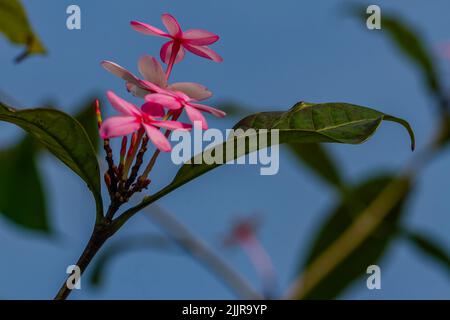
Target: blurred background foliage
{"points": [[23, 199]]}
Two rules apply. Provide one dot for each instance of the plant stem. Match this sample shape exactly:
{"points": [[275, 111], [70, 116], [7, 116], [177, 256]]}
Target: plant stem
{"points": [[99, 236], [103, 230]]}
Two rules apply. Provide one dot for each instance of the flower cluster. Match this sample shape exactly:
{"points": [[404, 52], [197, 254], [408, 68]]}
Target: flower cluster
{"points": [[156, 91], [163, 102]]}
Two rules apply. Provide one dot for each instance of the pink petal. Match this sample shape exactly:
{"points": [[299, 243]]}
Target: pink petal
{"points": [[158, 138], [147, 85], [166, 53], [213, 111], [124, 107], [204, 52], [200, 37], [119, 71], [178, 94], [195, 115], [193, 90], [172, 125], [148, 29], [171, 24], [163, 99], [153, 109], [136, 90], [119, 126], [152, 71]]}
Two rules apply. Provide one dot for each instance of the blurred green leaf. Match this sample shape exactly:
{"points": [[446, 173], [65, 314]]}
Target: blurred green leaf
{"points": [[16, 27], [232, 108], [428, 246], [65, 138], [22, 198], [316, 157], [368, 253], [88, 119], [409, 42]]}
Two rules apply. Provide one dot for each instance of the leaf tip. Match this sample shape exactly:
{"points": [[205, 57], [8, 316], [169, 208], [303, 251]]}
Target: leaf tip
{"points": [[407, 126]]}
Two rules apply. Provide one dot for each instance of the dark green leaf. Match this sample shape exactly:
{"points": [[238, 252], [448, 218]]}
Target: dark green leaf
{"points": [[429, 247], [408, 41], [316, 157], [303, 123], [22, 198], [88, 119], [371, 249], [16, 27], [313, 155], [65, 138]]}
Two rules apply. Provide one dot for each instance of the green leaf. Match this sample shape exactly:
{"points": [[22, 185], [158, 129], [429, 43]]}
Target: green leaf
{"points": [[65, 138], [371, 249], [16, 27], [428, 246], [408, 41], [22, 198], [303, 123], [316, 157], [312, 155], [232, 109], [88, 119]]}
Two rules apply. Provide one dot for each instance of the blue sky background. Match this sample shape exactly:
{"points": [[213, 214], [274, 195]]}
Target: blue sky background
{"points": [[276, 53]]}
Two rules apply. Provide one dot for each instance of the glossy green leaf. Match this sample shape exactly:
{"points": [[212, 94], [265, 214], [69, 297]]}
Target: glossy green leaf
{"points": [[22, 198], [313, 155], [65, 138], [368, 253], [303, 123], [317, 158], [16, 27], [429, 247]]}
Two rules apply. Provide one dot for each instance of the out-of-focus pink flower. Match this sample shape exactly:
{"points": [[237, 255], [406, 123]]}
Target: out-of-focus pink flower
{"points": [[444, 50], [154, 78], [132, 118], [244, 234], [193, 40], [175, 100]]}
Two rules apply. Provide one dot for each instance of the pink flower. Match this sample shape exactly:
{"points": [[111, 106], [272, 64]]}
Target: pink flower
{"points": [[175, 100], [132, 118], [193, 40], [244, 234], [154, 79]]}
